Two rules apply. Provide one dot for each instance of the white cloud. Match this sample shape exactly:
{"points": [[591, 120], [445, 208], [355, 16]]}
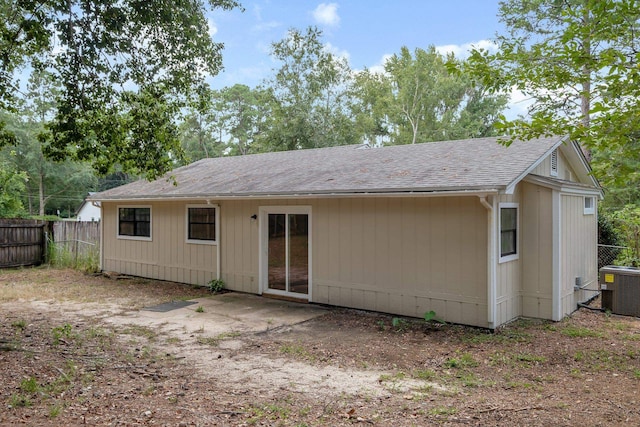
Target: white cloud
{"points": [[266, 26], [327, 14], [213, 28], [518, 105], [336, 51], [462, 50], [379, 67]]}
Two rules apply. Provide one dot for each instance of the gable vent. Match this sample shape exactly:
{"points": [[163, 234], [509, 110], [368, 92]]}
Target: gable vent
{"points": [[554, 162]]}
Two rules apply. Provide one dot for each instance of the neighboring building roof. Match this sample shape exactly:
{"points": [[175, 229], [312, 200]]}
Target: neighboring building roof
{"points": [[465, 165]]}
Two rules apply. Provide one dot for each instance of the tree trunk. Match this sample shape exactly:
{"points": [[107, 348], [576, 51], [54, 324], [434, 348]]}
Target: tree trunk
{"points": [[41, 194]]}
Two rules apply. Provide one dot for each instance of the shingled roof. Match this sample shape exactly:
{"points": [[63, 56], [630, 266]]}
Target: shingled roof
{"points": [[465, 165]]}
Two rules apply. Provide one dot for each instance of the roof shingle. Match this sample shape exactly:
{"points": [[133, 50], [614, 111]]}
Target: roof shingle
{"points": [[470, 164]]}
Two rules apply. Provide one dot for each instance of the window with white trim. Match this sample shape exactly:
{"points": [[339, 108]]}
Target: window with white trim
{"points": [[509, 231], [201, 224], [134, 222], [589, 205], [554, 162]]}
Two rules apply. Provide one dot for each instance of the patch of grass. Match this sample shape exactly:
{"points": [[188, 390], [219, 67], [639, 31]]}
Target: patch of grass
{"points": [[530, 359], [464, 360], [215, 341], [580, 332], [64, 332], [29, 385], [636, 373], [443, 411], [19, 401], [139, 331], [399, 324], [296, 350], [210, 341], [200, 309], [270, 412], [54, 411], [19, 324], [424, 374]]}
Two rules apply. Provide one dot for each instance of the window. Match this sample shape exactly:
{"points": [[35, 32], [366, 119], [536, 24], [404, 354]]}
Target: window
{"points": [[554, 162], [134, 222], [201, 224], [508, 231], [589, 205]]}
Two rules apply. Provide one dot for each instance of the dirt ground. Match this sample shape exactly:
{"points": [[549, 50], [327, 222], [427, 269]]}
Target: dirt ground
{"points": [[71, 353]]}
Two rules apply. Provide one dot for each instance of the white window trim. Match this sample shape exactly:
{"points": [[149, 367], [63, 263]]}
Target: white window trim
{"points": [[186, 224], [141, 238], [553, 171], [515, 256], [592, 209]]}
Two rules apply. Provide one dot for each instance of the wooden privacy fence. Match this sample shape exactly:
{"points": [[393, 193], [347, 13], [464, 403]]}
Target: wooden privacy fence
{"points": [[79, 239], [22, 242]]}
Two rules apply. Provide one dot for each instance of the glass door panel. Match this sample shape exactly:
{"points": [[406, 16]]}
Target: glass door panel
{"points": [[298, 244], [277, 249]]}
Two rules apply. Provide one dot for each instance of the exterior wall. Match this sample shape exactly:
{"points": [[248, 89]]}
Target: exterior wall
{"points": [[403, 256], [564, 169], [537, 251], [509, 273], [167, 256], [578, 252], [88, 212]]}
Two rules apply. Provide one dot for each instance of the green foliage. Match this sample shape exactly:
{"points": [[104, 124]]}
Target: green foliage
{"points": [[59, 333], [419, 99], [578, 60], [306, 98], [399, 324], [430, 316], [200, 309], [216, 285], [61, 256], [126, 68], [607, 234], [626, 222], [12, 185]]}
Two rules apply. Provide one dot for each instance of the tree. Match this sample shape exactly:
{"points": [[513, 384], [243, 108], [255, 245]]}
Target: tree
{"points": [[57, 185], [202, 128], [579, 60], [308, 107], [245, 112], [126, 67], [12, 184], [418, 99]]}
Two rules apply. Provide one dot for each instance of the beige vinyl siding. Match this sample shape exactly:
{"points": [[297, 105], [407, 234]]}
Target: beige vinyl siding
{"points": [[578, 252], [537, 229], [239, 245], [564, 169], [508, 274], [167, 256], [403, 256]]}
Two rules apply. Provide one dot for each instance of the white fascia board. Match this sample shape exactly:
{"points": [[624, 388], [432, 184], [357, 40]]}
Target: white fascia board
{"points": [[565, 188], [199, 198]]}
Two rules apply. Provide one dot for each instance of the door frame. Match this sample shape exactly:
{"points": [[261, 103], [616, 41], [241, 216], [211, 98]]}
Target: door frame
{"points": [[263, 248]]}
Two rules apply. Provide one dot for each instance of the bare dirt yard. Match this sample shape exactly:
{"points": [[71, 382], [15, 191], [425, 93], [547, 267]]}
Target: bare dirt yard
{"points": [[73, 353]]}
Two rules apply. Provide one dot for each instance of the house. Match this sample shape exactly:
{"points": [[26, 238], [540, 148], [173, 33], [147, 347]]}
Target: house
{"points": [[88, 211], [475, 231]]}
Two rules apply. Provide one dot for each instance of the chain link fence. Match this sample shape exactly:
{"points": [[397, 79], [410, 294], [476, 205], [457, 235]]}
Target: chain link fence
{"points": [[607, 254]]}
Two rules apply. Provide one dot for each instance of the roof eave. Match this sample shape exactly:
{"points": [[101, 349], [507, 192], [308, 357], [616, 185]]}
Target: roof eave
{"points": [[312, 195]]}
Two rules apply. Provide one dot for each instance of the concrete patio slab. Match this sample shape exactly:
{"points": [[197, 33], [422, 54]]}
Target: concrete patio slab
{"points": [[227, 313]]}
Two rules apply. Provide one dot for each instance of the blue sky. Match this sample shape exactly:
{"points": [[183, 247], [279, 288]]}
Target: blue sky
{"points": [[363, 30]]}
